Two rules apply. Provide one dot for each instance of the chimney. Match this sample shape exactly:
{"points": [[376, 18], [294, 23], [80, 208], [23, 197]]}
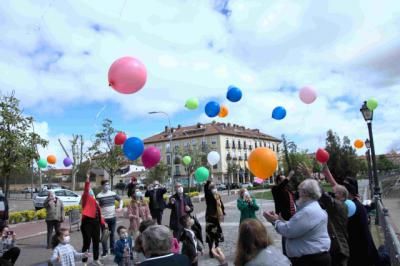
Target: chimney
{"points": [[229, 124], [179, 126], [166, 129]]}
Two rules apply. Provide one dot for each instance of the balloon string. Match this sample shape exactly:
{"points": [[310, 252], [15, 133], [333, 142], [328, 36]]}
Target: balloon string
{"points": [[122, 9]]}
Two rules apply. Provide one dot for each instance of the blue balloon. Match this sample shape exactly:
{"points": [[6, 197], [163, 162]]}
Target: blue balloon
{"points": [[212, 109], [133, 148], [279, 113], [234, 94], [351, 207]]}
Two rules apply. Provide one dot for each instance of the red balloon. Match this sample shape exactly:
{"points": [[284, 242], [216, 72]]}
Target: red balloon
{"points": [[120, 138], [322, 155], [127, 75]]}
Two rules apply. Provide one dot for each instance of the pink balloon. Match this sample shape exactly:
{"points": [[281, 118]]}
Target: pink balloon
{"points": [[307, 95], [258, 180], [151, 156], [127, 75]]}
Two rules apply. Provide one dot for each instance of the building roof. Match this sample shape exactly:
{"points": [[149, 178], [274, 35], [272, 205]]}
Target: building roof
{"points": [[210, 129]]}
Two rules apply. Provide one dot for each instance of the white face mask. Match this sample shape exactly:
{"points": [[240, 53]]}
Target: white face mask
{"points": [[180, 190], [138, 194], [124, 235], [66, 239], [214, 191], [106, 187], [246, 194], [191, 222]]}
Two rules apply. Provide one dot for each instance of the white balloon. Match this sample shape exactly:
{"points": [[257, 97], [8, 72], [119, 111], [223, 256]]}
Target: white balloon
{"points": [[213, 158]]}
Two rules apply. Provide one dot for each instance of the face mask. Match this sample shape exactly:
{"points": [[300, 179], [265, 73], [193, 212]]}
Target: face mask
{"points": [[156, 186], [214, 191], [106, 187], [66, 239], [124, 236], [138, 194], [191, 222], [180, 190], [246, 194]]}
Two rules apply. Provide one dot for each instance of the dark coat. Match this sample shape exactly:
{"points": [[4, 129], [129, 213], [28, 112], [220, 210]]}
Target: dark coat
{"points": [[282, 199], [188, 246], [131, 189], [159, 196], [174, 223], [167, 260], [3, 211], [362, 247], [337, 225], [211, 202], [120, 248]]}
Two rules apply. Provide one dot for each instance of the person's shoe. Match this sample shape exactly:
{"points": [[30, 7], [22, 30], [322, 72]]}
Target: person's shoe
{"points": [[104, 255], [98, 263], [85, 264]]}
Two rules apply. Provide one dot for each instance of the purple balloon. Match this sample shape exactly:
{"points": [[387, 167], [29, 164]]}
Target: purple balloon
{"points": [[67, 162], [150, 157]]}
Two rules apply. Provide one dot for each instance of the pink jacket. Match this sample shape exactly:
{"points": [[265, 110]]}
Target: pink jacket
{"points": [[137, 212]]}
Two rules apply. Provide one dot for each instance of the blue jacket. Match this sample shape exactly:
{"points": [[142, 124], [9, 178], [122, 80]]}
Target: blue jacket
{"points": [[120, 247]]}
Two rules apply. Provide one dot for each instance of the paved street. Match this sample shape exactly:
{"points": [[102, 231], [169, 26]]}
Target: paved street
{"points": [[34, 252]]}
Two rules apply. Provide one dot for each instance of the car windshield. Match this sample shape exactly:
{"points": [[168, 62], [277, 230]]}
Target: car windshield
{"points": [[43, 193]]}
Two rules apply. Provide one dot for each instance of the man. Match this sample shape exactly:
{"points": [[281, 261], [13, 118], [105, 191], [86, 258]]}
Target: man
{"points": [[180, 205], [156, 243], [157, 203], [3, 209], [132, 187], [106, 199], [307, 238]]}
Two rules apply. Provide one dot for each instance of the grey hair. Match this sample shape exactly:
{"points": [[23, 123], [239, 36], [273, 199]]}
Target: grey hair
{"points": [[157, 240], [342, 190], [311, 188]]}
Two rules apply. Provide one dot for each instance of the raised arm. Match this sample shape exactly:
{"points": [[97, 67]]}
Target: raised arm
{"points": [[328, 175]]}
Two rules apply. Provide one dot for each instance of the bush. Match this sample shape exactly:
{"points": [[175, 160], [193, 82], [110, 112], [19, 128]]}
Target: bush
{"points": [[193, 194], [41, 214], [126, 203], [28, 215], [15, 217], [68, 209], [191, 189]]}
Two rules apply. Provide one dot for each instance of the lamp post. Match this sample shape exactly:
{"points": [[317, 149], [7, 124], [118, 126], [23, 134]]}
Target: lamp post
{"points": [[368, 115], [368, 157], [170, 145]]}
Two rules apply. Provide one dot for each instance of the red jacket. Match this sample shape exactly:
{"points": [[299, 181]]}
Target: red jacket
{"points": [[89, 205]]}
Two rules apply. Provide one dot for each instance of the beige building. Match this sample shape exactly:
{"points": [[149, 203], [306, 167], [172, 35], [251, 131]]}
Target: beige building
{"points": [[233, 142]]}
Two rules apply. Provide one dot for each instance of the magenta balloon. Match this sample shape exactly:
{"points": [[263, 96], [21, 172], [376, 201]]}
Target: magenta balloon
{"points": [[127, 75], [67, 161], [151, 156], [307, 95]]}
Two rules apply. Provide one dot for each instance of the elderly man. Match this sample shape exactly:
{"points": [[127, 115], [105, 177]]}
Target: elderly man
{"points": [[156, 243], [180, 205], [306, 233], [157, 203]]}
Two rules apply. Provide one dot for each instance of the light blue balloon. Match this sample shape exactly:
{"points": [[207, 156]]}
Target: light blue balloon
{"points": [[234, 94], [212, 109], [351, 207], [279, 113], [133, 148]]}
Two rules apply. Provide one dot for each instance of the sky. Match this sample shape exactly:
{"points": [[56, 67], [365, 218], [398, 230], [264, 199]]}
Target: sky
{"points": [[56, 54]]}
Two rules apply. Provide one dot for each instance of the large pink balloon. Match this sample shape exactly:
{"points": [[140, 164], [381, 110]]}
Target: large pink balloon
{"points": [[150, 157], [127, 75], [307, 95]]}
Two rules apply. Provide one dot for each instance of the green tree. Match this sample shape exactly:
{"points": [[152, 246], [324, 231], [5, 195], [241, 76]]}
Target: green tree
{"points": [[384, 164], [157, 173], [108, 155], [17, 139]]}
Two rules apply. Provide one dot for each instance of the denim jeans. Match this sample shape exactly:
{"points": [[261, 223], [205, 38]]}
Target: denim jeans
{"points": [[111, 222]]}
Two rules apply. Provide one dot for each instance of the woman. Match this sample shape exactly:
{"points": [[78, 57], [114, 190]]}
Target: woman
{"points": [[247, 205], [9, 253], [54, 215], [214, 216], [138, 211], [91, 222]]}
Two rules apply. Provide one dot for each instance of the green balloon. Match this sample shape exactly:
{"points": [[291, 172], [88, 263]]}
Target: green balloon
{"points": [[186, 160], [372, 104], [201, 174], [42, 163], [192, 103]]}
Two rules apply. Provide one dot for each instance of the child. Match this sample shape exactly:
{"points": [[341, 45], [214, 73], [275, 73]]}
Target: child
{"points": [[64, 254], [191, 246], [138, 211], [123, 248]]}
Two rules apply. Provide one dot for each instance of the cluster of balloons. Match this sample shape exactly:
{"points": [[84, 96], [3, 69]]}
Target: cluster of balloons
{"points": [[127, 75], [133, 148], [322, 155], [262, 162], [358, 143], [42, 163], [201, 174]]}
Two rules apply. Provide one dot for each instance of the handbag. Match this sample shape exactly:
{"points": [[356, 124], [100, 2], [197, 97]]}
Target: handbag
{"points": [[105, 235]]}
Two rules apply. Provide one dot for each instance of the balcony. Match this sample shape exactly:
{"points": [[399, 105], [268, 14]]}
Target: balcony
{"points": [[234, 158], [228, 157], [240, 158]]}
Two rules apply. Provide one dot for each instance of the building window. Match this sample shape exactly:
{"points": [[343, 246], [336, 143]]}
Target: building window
{"points": [[255, 144], [265, 144], [233, 144], [227, 144], [245, 156], [177, 170], [244, 145], [167, 147], [215, 166], [214, 141], [239, 144], [273, 147], [168, 159], [277, 148]]}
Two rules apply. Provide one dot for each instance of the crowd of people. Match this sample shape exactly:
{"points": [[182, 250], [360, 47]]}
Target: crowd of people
{"points": [[316, 227]]}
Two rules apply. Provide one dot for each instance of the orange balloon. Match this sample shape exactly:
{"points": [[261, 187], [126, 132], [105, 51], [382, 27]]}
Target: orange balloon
{"points": [[358, 143], [262, 162], [51, 159], [223, 112]]}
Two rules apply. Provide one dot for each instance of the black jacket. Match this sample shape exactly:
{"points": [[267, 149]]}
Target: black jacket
{"points": [[4, 209], [281, 197], [159, 197], [174, 223], [211, 202], [131, 189]]}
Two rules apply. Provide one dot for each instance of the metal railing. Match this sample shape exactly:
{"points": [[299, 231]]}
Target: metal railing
{"points": [[392, 242]]}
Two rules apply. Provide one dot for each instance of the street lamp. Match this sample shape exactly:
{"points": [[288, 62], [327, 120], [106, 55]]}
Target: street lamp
{"points": [[170, 144], [368, 115], [368, 157]]}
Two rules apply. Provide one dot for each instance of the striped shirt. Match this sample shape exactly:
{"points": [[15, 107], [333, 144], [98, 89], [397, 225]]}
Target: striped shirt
{"points": [[67, 255], [107, 203]]}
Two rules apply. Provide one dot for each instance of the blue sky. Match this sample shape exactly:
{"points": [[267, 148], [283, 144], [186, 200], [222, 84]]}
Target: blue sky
{"points": [[56, 55]]}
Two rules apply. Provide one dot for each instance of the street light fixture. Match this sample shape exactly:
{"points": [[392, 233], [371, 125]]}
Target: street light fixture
{"points": [[170, 144], [367, 144], [368, 157], [368, 116]]}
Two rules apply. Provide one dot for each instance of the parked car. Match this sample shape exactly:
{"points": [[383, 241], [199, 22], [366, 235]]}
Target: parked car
{"points": [[68, 197], [50, 186], [233, 186], [246, 185], [29, 190], [220, 187]]}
